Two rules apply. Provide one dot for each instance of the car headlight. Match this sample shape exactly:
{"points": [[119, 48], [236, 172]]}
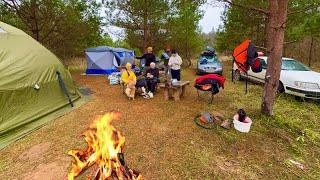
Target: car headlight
{"points": [[306, 85]]}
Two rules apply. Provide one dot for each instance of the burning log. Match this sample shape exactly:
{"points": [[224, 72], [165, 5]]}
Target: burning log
{"points": [[105, 150]]}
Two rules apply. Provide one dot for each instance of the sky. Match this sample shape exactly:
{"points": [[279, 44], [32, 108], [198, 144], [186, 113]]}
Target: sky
{"points": [[211, 19]]}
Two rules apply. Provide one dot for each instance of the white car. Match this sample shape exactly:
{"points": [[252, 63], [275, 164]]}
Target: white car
{"points": [[295, 78]]}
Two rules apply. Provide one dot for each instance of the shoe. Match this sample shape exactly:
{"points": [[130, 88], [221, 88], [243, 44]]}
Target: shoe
{"points": [[150, 94], [146, 96], [143, 94]]}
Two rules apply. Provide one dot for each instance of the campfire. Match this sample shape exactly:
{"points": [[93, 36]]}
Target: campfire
{"points": [[104, 153]]}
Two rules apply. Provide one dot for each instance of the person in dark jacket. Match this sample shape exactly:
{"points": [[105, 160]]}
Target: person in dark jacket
{"points": [[149, 57], [152, 75]]}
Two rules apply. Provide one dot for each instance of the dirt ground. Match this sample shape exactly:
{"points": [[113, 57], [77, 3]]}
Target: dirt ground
{"points": [[162, 141]]}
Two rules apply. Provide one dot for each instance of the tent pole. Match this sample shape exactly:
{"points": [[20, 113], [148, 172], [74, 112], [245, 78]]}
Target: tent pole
{"points": [[64, 88], [232, 69], [246, 82]]}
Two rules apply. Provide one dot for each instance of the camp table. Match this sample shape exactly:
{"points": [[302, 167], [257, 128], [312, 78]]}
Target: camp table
{"points": [[176, 89]]}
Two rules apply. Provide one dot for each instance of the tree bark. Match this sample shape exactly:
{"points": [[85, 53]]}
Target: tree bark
{"points": [[276, 28], [34, 21], [271, 22], [145, 26], [310, 52]]}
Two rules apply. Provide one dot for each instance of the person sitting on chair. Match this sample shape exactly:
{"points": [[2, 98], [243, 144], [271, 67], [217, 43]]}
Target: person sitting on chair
{"points": [[152, 76], [142, 84], [129, 79]]}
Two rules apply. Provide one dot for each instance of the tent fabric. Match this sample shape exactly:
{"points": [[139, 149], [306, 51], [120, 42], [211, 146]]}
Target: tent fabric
{"points": [[2, 31], [29, 88], [106, 60]]}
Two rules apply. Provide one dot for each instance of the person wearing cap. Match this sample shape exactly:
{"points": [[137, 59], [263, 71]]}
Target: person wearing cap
{"points": [[129, 79], [174, 63], [149, 57]]}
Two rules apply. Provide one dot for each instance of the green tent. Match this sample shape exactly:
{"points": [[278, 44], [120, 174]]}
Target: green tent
{"points": [[29, 86]]}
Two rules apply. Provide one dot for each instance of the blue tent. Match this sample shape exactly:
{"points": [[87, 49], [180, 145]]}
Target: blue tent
{"points": [[106, 60]]}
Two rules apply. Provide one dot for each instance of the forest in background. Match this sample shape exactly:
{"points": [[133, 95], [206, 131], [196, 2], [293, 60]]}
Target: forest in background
{"points": [[302, 34], [67, 27]]}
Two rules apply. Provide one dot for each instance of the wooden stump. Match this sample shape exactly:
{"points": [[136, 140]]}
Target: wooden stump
{"points": [[183, 90], [176, 94], [166, 94]]}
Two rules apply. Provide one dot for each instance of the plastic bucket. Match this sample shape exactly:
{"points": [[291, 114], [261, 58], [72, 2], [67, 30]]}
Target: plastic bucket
{"points": [[242, 126]]}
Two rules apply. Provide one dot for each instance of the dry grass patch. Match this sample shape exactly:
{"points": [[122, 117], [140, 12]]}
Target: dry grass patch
{"points": [[163, 142]]}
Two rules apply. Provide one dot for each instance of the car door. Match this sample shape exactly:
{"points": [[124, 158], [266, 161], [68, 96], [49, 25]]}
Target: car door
{"points": [[260, 77]]}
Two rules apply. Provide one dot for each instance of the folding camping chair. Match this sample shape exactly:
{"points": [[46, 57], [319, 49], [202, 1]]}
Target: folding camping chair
{"points": [[209, 83], [213, 89]]}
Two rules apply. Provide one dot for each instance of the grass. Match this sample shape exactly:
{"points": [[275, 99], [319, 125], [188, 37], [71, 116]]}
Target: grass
{"points": [[76, 64], [163, 142]]}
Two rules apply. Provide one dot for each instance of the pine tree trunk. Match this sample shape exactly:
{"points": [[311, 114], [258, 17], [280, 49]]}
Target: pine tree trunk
{"points": [[34, 21], [145, 26], [276, 28], [271, 22], [310, 52]]}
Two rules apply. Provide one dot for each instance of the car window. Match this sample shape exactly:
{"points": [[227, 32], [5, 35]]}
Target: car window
{"points": [[208, 59], [263, 63], [292, 65]]}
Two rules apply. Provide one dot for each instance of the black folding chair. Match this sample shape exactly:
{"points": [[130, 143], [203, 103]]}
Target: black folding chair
{"points": [[213, 90]]}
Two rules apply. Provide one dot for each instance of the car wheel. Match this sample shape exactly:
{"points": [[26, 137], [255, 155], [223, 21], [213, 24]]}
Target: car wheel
{"points": [[237, 75], [280, 88]]}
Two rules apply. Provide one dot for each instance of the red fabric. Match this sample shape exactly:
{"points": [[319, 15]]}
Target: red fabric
{"points": [[219, 78], [256, 64]]}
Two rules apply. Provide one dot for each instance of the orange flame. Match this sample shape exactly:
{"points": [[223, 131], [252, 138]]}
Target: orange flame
{"points": [[105, 144]]}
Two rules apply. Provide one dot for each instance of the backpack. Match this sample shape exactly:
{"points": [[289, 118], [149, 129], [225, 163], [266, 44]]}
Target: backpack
{"points": [[256, 66]]}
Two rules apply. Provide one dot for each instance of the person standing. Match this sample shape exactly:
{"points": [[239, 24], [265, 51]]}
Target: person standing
{"points": [[174, 63], [149, 57], [165, 56]]}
